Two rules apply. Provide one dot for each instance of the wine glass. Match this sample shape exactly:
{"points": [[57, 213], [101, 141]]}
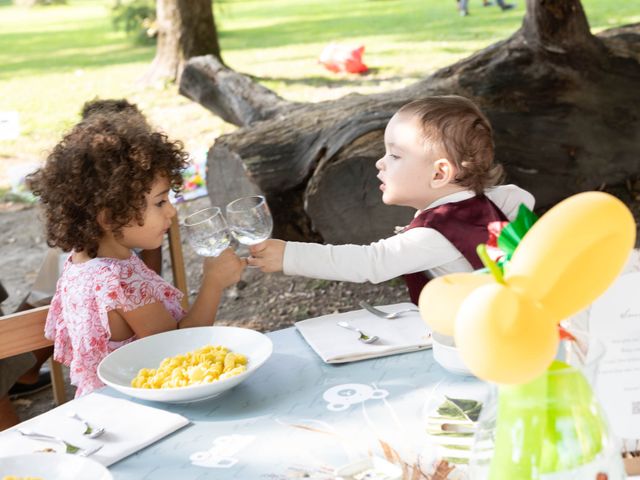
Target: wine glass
{"points": [[250, 219], [208, 232]]}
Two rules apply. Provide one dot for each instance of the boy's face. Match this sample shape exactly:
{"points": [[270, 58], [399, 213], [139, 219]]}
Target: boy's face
{"points": [[407, 168]]}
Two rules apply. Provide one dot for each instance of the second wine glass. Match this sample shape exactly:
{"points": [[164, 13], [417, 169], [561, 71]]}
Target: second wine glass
{"points": [[208, 232], [250, 219]]}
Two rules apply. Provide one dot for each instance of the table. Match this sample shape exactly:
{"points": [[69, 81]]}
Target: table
{"points": [[297, 416]]}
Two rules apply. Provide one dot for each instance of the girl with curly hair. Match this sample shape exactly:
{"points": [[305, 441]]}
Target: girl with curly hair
{"points": [[105, 191]]}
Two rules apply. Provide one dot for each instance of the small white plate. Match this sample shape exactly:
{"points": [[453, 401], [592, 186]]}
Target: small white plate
{"points": [[448, 356], [53, 466], [122, 365]]}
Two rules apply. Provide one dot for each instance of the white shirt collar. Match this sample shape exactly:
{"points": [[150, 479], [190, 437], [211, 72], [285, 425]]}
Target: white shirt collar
{"points": [[451, 198]]}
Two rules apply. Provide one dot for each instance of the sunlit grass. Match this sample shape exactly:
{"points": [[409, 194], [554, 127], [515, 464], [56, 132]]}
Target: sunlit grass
{"points": [[53, 59]]}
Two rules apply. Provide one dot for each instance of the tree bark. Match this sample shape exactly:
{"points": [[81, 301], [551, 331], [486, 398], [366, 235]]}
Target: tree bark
{"points": [[233, 97], [563, 104], [186, 29]]}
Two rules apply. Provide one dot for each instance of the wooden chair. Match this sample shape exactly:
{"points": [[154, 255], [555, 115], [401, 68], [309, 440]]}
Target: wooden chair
{"points": [[24, 332], [177, 261]]}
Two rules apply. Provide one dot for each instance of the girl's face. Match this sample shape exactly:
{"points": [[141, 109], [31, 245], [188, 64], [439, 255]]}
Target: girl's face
{"points": [[156, 220], [407, 168]]}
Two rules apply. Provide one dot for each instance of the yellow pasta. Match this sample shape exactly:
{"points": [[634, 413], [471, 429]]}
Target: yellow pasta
{"points": [[204, 365], [13, 477]]}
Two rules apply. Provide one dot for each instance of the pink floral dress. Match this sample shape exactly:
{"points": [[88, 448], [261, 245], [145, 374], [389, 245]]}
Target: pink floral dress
{"points": [[85, 293]]}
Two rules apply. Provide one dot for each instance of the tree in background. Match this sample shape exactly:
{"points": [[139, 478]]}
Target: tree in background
{"points": [[185, 28]]}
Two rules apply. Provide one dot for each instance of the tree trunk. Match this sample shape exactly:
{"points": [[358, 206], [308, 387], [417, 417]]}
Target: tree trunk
{"points": [[186, 29], [563, 104]]}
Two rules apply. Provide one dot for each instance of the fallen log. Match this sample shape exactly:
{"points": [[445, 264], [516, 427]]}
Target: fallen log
{"points": [[563, 104]]}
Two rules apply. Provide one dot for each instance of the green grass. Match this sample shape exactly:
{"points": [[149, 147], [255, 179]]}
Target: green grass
{"points": [[53, 59]]}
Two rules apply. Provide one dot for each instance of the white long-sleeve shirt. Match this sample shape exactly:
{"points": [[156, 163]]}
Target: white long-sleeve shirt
{"points": [[416, 250]]}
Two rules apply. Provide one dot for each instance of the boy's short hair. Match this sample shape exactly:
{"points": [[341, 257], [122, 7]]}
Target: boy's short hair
{"points": [[465, 135]]}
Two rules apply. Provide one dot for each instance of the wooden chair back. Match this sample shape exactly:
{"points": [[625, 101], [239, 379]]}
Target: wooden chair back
{"points": [[24, 332], [177, 261]]}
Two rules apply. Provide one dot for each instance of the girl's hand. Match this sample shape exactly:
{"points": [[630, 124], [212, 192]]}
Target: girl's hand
{"points": [[224, 270], [268, 255]]}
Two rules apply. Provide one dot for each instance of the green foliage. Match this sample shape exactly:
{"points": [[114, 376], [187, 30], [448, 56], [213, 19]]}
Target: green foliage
{"points": [[137, 18], [460, 409], [33, 3]]}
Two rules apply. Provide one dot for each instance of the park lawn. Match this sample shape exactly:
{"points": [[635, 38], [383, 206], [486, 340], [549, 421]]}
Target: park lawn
{"points": [[53, 59]]}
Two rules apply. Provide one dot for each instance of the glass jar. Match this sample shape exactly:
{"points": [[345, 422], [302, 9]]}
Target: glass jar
{"points": [[550, 428], [450, 416]]}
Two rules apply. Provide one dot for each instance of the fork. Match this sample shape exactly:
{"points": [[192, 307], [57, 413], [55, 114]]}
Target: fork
{"points": [[69, 447], [389, 316]]}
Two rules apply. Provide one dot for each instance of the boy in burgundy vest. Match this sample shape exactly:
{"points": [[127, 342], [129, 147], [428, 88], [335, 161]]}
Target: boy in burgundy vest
{"points": [[439, 161]]}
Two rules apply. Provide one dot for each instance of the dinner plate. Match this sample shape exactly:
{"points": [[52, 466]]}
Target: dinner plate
{"points": [[122, 365], [53, 466]]}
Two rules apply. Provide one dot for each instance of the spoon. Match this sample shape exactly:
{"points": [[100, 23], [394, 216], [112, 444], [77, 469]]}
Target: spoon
{"points": [[69, 447], [387, 315], [90, 432], [364, 338]]}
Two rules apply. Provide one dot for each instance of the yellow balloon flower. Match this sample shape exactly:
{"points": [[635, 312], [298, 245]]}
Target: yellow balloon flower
{"points": [[440, 316], [507, 332], [573, 253], [504, 337]]}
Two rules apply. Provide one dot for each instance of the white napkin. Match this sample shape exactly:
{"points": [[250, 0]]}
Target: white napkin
{"points": [[129, 427], [335, 344]]}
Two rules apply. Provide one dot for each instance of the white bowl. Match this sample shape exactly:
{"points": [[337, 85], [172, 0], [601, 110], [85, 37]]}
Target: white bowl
{"points": [[53, 466], [447, 355], [122, 365]]}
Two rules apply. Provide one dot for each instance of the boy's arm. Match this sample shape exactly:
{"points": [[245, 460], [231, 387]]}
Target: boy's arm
{"points": [[413, 251]]}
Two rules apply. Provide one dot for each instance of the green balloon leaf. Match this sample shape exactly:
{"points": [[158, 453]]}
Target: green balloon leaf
{"points": [[514, 232]]}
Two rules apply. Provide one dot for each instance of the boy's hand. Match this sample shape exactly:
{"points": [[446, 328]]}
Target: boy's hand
{"points": [[267, 255], [225, 269]]}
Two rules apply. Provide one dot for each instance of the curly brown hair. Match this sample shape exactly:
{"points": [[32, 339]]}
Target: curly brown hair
{"points": [[104, 166], [465, 135], [110, 105]]}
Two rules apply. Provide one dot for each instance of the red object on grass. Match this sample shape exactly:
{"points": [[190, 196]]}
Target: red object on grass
{"points": [[343, 58]]}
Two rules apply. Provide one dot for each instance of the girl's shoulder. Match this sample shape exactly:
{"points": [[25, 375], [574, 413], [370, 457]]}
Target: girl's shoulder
{"points": [[110, 273], [114, 283], [101, 266]]}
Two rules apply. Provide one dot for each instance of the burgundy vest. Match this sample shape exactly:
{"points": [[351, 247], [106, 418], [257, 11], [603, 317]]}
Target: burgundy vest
{"points": [[464, 224]]}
